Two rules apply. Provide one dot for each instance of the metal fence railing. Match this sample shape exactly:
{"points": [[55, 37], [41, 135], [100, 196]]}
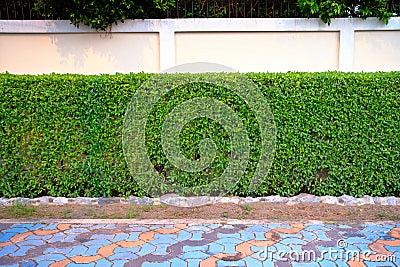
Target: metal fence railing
{"points": [[25, 9]]}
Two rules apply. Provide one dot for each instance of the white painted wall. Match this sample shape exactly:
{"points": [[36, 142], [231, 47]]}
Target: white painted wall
{"points": [[259, 45]]}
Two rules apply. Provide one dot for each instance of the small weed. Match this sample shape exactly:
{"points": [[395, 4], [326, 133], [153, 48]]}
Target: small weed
{"points": [[66, 213], [133, 212], [148, 208], [225, 214], [20, 210], [247, 207]]}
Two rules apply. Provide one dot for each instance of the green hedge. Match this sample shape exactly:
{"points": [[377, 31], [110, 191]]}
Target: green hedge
{"points": [[337, 134]]}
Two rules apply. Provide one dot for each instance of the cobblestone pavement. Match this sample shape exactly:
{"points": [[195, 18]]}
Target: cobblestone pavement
{"points": [[206, 244]]}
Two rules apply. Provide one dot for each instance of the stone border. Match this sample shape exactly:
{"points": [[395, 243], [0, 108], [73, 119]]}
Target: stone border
{"points": [[175, 200]]}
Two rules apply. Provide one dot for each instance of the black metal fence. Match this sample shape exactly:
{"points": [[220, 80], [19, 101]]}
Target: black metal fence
{"points": [[25, 9]]}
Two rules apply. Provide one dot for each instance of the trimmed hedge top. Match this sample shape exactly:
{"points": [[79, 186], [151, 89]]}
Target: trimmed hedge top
{"points": [[336, 133]]}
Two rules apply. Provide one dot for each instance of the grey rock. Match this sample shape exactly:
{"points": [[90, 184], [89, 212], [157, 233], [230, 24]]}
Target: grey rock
{"points": [[141, 201], [329, 200], [275, 199], [392, 201], [110, 200], [60, 200], [377, 200], [367, 200], [347, 200]]}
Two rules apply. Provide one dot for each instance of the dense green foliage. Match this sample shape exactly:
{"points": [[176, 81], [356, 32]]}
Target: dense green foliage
{"points": [[102, 14], [328, 9], [337, 134]]}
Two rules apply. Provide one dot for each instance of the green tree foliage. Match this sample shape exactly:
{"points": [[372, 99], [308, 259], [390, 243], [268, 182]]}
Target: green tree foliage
{"points": [[99, 14], [328, 9], [102, 14]]}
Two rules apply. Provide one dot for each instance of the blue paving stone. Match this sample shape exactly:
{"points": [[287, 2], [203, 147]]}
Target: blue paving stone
{"points": [[355, 240], [12, 265], [76, 231], [274, 225], [235, 235], [183, 235], [16, 230], [305, 264], [154, 227], [30, 226], [370, 235], [258, 228], [92, 250], [57, 250], [138, 228], [229, 249], [50, 257], [169, 241], [156, 264], [308, 236], [227, 226], [28, 263], [221, 263], [44, 263], [164, 236], [214, 248], [6, 237], [161, 249], [133, 236], [321, 236], [379, 263], [123, 256], [97, 226], [250, 262], [393, 249], [110, 226], [119, 263], [72, 264], [176, 262], [196, 235], [103, 263], [290, 241], [21, 251], [195, 248], [263, 249], [228, 241], [260, 236], [377, 228], [202, 228], [282, 247], [57, 237], [246, 236], [343, 226], [96, 242], [32, 242], [193, 262], [38, 237], [126, 250], [145, 249], [326, 263], [193, 255], [120, 237], [77, 250], [52, 226], [290, 236], [70, 238], [102, 237]]}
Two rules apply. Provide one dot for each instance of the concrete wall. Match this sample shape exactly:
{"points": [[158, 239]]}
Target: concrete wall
{"points": [[259, 45]]}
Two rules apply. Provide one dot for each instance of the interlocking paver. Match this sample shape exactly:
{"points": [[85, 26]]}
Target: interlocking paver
{"points": [[176, 245]]}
